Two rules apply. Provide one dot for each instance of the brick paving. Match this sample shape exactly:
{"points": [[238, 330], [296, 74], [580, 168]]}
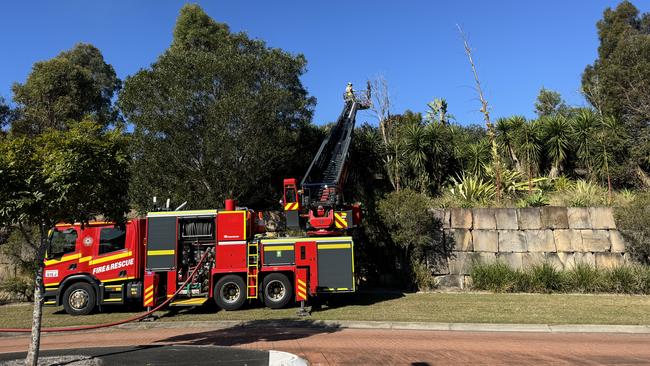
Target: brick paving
{"points": [[337, 346]]}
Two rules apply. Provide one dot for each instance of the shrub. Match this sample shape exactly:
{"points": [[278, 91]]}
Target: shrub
{"points": [[545, 277], [537, 199], [497, 277], [621, 279], [585, 278], [417, 233], [422, 275], [633, 221], [470, 190], [624, 197], [585, 194], [562, 183], [642, 278], [18, 287]]}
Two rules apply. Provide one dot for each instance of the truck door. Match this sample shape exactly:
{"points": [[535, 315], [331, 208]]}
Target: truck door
{"points": [[113, 257], [63, 255]]}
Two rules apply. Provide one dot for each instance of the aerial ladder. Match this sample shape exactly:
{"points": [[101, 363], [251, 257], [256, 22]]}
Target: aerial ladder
{"points": [[318, 205]]}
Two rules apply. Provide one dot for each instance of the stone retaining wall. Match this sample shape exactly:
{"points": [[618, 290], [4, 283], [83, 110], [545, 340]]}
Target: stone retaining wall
{"points": [[562, 236]]}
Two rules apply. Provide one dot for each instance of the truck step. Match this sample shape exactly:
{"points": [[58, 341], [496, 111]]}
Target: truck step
{"points": [[197, 301]]}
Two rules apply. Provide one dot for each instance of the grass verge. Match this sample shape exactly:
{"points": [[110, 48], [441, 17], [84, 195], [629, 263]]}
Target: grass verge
{"points": [[465, 307]]}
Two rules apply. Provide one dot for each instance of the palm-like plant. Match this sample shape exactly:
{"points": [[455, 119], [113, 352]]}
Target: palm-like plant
{"points": [[529, 145], [478, 158], [608, 131], [583, 128], [439, 142], [506, 131], [472, 189], [557, 136], [416, 146]]}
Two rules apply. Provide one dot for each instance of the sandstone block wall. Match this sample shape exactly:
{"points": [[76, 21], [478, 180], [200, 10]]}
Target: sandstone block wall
{"points": [[522, 237]]}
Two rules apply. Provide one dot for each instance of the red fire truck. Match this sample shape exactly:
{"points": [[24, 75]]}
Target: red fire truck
{"points": [[146, 260]]}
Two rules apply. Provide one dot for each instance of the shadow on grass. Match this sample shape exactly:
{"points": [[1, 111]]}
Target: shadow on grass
{"points": [[362, 297]]}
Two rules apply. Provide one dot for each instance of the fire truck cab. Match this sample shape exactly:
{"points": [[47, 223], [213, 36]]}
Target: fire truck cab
{"points": [[146, 260]]}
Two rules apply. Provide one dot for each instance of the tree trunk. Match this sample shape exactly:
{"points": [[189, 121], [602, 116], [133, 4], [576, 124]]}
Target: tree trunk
{"points": [[515, 160], [555, 171], [530, 179], [39, 291]]}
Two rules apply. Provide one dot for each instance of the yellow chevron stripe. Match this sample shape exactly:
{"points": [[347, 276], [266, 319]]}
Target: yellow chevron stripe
{"points": [[300, 288], [65, 258], [196, 301], [302, 295], [302, 282], [148, 298], [111, 257]]}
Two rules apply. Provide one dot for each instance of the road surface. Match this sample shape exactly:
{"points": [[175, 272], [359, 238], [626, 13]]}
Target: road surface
{"points": [[341, 346]]}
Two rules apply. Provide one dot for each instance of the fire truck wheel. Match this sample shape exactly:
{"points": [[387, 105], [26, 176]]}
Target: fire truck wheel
{"points": [[277, 290], [230, 292], [79, 299]]}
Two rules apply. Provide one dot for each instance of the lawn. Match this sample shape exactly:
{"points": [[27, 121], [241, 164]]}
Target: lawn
{"points": [[463, 307]]}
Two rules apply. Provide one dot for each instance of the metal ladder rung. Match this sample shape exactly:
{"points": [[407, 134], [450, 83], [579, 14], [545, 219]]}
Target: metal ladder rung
{"points": [[251, 277]]}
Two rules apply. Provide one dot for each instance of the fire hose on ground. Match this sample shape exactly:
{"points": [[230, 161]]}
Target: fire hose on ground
{"points": [[106, 325]]}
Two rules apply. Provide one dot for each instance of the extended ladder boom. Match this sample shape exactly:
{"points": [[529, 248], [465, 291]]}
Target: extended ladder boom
{"points": [[325, 172], [319, 201]]}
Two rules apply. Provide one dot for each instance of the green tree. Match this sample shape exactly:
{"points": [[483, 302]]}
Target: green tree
{"points": [[618, 82], [549, 102], [413, 229], [60, 176], [217, 115], [77, 84], [6, 114]]}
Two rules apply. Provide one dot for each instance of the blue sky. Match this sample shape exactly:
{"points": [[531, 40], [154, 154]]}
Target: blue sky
{"points": [[519, 46]]}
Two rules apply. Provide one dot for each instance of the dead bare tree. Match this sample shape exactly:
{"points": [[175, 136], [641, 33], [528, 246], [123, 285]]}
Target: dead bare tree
{"points": [[486, 115], [380, 108]]}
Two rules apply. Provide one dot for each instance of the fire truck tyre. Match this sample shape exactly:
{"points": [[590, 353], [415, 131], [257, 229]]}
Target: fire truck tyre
{"points": [[79, 299], [230, 292], [277, 290]]}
